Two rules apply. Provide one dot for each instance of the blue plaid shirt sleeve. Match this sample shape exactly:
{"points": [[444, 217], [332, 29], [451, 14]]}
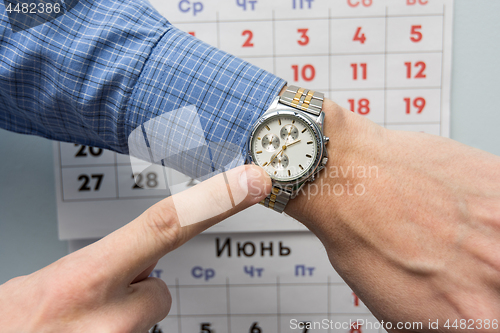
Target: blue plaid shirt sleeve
{"points": [[101, 69]]}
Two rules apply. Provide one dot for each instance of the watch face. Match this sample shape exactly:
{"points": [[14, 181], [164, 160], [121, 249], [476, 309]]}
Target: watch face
{"points": [[285, 146]]}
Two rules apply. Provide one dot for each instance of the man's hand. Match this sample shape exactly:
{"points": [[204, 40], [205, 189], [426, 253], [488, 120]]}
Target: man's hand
{"points": [[105, 287], [411, 221]]}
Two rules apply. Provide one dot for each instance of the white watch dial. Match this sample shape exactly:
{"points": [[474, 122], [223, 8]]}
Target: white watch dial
{"points": [[285, 146]]}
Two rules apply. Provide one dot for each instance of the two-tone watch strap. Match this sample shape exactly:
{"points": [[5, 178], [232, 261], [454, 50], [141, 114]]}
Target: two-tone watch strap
{"points": [[277, 200], [304, 100]]}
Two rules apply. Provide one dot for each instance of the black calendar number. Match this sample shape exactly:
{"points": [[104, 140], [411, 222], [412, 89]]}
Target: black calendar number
{"points": [[86, 179], [205, 328], [156, 329], [306, 324], [151, 180], [255, 328], [82, 152]]}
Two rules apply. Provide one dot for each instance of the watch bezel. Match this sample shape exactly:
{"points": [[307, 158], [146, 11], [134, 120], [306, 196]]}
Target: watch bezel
{"points": [[320, 145]]}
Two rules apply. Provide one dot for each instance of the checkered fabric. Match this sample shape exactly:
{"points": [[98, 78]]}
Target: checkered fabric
{"points": [[105, 68]]}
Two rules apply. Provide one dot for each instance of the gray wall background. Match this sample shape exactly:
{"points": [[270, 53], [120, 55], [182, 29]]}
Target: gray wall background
{"points": [[28, 222]]}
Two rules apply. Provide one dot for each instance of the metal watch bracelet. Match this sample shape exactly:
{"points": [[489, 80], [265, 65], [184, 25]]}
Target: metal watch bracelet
{"points": [[305, 100]]}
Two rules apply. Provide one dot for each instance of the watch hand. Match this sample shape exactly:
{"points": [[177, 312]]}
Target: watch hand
{"points": [[276, 155], [288, 145], [289, 133], [281, 151]]}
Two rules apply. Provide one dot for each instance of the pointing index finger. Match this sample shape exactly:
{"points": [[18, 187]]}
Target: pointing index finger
{"points": [[173, 221]]}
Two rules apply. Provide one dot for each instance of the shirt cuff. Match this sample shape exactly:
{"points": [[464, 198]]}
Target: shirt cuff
{"points": [[194, 105]]}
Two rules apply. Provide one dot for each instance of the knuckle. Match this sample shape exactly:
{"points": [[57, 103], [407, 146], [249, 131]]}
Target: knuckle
{"points": [[14, 282]]}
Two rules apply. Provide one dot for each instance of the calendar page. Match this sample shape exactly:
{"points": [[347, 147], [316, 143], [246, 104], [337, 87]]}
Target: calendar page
{"points": [[386, 60], [257, 283]]}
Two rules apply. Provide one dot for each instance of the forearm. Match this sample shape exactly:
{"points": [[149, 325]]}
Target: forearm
{"points": [[70, 78], [409, 220], [103, 69]]}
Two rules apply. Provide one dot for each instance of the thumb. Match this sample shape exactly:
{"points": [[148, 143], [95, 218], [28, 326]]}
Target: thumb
{"points": [[176, 219]]}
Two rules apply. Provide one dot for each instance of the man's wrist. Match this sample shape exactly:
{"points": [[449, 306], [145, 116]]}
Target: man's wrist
{"points": [[348, 133], [283, 90]]}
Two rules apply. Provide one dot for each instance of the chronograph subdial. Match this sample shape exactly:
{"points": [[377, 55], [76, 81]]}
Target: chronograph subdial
{"points": [[270, 142], [294, 156], [280, 162], [289, 132]]}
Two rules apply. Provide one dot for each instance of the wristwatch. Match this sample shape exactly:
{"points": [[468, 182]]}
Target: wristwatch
{"points": [[288, 142]]}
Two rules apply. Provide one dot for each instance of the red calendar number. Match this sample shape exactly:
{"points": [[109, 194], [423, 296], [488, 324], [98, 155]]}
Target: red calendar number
{"points": [[359, 36], [355, 328], [356, 299], [307, 73], [355, 71], [416, 35], [248, 41], [420, 73], [418, 103], [304, 38], [363, 108]]}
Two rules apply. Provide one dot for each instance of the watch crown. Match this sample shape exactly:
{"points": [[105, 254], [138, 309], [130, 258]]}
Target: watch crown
{"points": [[324, 161], [326, 139]]}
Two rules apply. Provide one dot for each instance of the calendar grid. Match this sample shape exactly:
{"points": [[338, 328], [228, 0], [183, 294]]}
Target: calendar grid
{"points": [[330, 81], [60, 169], [385, 64], [228, 314], [217, 22], [274, 43], [257, 20], [443, 69], [178, 298], [228, 305], [392, 88], [329, 303], [344, 54], [114, 198], [116, 175], [288, 284], [329, 48], [278, 303]]}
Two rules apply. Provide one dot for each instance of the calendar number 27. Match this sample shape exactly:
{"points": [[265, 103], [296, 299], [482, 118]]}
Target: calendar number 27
{"points": [[86, 182]]}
